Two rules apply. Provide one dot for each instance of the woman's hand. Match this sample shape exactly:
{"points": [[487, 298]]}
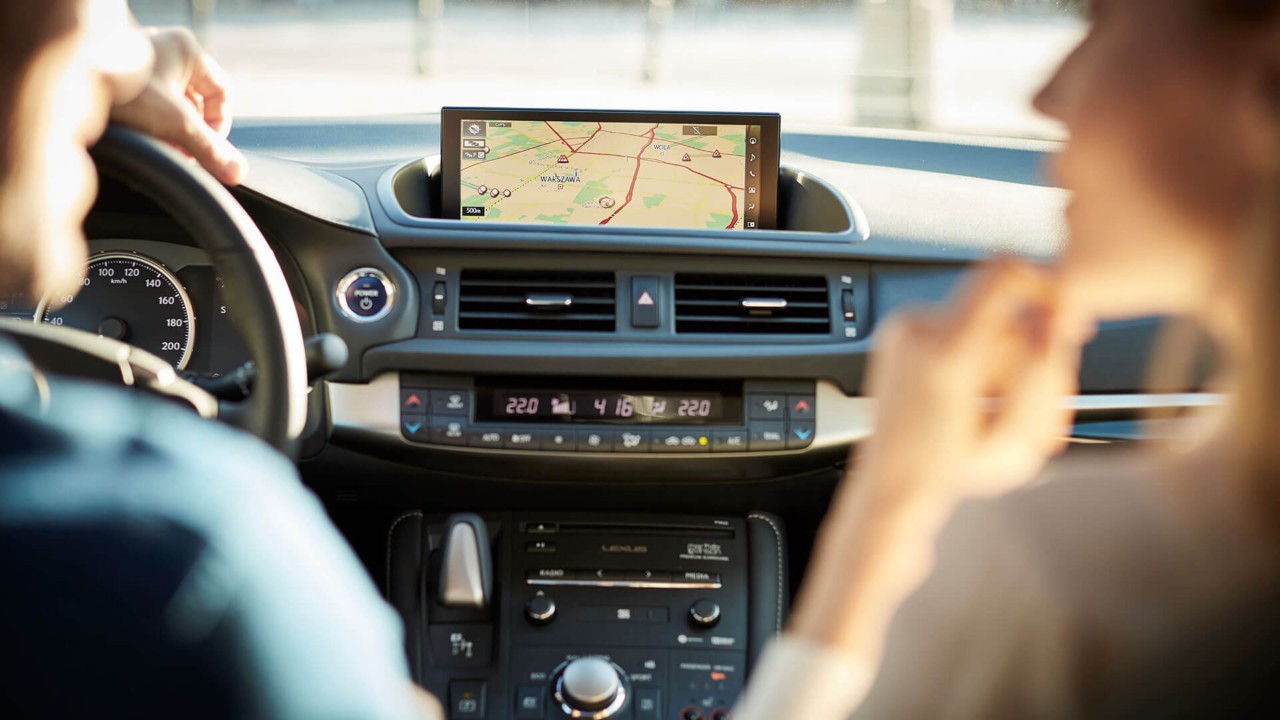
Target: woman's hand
{"points": [[186, 102], [971, 401], [971, 396]]}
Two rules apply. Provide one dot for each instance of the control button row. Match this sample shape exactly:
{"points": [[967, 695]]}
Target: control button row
{"points": [[429, 401], [451, 430], [781, 407], [624, 578], [781, 436]]}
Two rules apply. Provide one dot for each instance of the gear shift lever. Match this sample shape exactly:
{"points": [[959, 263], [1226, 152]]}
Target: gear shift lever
{"points": [[466, 571]]}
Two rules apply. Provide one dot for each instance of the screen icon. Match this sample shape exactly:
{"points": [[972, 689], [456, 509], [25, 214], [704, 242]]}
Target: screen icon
{"points": [[473, 129], [472, 154], [474, 143]]}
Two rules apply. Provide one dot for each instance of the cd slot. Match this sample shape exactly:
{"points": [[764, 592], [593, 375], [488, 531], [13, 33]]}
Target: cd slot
{"points": [[593, 528]]}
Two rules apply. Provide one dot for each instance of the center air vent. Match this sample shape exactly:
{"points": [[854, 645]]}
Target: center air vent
{"points": [[537, 300], [752, 304]]}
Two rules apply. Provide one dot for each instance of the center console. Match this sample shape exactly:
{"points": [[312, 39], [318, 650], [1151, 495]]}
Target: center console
{"points": [[551, 616]]}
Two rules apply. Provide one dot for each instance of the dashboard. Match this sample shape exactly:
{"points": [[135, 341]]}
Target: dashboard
{"points": [[553, 442], [650, 354]]}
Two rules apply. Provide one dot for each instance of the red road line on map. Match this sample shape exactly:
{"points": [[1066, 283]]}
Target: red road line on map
{"points": [[734, 198], [703, 150], [593, 137], [677, 142], [553, 129], [664, 162], [636, 176], [695, 172]]}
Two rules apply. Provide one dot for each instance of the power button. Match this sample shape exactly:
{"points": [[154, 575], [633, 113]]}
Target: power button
{"points": [[366, 295]]}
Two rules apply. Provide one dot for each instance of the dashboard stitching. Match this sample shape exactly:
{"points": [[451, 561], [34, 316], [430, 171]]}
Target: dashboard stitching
{"points": [[391, 534], [778, 548]]}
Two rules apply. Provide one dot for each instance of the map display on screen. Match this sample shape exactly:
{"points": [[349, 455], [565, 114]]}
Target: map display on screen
{"points": [[586, 172]]}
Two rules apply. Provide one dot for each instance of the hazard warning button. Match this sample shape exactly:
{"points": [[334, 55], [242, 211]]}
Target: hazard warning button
{"points": [[645, 302]]}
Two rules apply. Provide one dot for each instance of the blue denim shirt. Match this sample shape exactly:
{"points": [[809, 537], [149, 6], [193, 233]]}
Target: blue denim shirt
{"points": [[155, 563]]}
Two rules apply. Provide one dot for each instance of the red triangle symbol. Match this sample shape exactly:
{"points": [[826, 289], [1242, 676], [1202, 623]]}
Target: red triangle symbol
{"points": [[802, 406], [645, 299], [412, 401]]}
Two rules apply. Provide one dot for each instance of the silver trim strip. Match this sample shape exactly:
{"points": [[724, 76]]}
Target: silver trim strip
{"points": [[372, 412], [1086, 403], [645, 584]]}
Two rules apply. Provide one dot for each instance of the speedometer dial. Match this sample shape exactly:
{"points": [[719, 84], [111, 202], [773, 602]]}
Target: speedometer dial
{"points": [[133, 299]]}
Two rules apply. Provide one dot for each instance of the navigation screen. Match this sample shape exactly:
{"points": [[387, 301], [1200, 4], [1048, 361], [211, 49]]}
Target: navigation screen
{"points": [[685, 173]]}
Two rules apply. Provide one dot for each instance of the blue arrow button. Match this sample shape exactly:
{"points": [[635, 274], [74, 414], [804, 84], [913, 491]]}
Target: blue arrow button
{"points": [[412, 427], [802, 433]]}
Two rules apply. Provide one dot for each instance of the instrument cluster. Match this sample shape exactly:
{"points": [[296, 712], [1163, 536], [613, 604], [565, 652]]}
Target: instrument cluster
{"points": [[160, 297]]}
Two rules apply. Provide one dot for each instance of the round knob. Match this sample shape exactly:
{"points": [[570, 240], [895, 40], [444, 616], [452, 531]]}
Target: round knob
{"points": [[366, 295], [540, 609], [590, 687], [704, 613]]}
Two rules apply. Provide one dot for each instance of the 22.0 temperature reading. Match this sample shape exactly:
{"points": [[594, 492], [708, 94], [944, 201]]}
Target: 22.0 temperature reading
{"points": [[617, 407], [694, 408]]}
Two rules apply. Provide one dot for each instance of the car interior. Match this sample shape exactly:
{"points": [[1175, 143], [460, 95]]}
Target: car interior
{"points": [[584, 460]]}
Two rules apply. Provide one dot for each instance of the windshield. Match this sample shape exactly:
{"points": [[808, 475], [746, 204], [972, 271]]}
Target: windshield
{"points": [[946, 65]]}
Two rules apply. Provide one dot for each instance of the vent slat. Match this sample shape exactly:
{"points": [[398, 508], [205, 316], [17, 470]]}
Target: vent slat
{"points": [[519, 299], [712, 304], [495, 300], [824, 322], [738, 304], [748, 289], [538, 316]]}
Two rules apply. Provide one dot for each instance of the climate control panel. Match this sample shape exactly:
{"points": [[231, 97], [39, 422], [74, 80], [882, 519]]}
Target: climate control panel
{"points": [[743, 417]]}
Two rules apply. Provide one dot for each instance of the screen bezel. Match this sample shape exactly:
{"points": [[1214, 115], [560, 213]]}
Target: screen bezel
{"points": [[451, 150]]}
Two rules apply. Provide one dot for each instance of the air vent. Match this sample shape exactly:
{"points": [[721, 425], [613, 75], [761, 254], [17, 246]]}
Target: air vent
{"points": [[537, 300], [752, 304]]}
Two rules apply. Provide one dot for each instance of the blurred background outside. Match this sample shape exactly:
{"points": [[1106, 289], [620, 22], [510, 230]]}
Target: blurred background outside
{"points": [[967, 66]]}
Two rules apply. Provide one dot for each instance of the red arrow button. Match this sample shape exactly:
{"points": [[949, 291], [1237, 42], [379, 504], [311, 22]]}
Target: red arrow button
{"points": [[802, 406], [413, 401]]}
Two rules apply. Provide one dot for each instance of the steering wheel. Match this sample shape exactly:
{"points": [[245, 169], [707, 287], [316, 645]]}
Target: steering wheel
{"points": [[259, 304]]}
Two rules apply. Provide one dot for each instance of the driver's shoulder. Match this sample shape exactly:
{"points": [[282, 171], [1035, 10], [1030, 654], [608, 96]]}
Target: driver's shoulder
{"points": [[94, 449]]}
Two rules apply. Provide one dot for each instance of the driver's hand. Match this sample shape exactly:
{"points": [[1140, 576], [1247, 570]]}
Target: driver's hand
{"points": [[186, 103]]}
